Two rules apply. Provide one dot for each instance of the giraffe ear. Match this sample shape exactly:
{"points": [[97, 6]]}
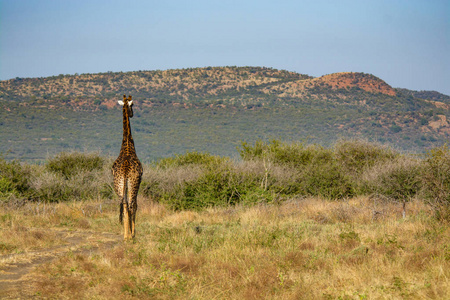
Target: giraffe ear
{"points": [[120, 102], [130, 103]]}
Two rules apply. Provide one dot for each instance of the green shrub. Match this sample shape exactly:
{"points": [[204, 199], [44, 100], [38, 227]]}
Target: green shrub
{"points": [[436, 180], [191, 158], [51, 187], [395, 128], [398, 180], [158, 182], [6, 187], [356, 156], [221, 186], [214, 188], [14, 179], [71, 176], [295, 154], [269, 171], [251, 152], [54, 187], [197, 186], [69, 164], [327, 180], [319, 174]]}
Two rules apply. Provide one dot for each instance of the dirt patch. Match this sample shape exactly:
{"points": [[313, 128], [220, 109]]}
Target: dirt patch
{"points": [[366, 82], [14, 268]]}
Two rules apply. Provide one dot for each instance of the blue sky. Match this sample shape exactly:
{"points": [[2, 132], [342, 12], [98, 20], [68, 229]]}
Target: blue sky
{"points": [[405, 43]]}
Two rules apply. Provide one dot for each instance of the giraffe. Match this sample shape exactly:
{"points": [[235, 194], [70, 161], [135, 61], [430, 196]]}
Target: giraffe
{"points": [[127, 173]]}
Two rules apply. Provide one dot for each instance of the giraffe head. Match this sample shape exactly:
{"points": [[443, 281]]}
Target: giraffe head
{"points": [[127, 104]]}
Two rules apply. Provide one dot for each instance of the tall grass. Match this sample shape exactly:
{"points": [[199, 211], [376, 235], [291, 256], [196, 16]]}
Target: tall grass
{"points": [[267, 172], [304, 248]]}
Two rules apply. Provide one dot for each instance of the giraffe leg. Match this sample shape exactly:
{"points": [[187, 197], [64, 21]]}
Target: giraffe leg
{"points": [[130, 233], [133, 220], [126, 222], [133, 232]]}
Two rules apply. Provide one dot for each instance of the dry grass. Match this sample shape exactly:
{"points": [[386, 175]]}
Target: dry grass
{"points": [[301, 249]]}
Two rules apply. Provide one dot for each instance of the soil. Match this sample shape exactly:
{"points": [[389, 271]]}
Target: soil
{"points": [[14, 273]]}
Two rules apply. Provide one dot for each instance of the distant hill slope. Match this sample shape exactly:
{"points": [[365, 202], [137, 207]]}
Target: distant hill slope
{"points": [[186, 85], [213, 109], [226, 86], [428, 95]]}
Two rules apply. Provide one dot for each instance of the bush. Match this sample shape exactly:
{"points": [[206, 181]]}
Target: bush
{"points": [[398, 180], [436, 180], [357, 156], [191, 158], [269, 171], [14, 179], [194, 180], [70, 164], [71, 176], [319, 173], [328, 180], [53, 187], [158, 182], [213, 188], [295, 154], [210, 181]]}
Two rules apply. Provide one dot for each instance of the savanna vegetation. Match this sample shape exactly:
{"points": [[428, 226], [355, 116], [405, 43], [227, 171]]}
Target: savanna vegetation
{"points": [[284, 221], [267, 172], [212, 109]]}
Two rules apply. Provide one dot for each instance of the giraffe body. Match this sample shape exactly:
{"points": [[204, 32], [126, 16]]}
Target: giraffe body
{"points": [[127, 172]]}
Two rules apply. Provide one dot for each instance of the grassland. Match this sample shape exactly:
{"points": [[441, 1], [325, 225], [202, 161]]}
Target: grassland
{"points": [[286, 221], [303, 248]]}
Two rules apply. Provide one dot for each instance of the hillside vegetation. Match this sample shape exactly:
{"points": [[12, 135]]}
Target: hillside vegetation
{"points": [[213, 109]]}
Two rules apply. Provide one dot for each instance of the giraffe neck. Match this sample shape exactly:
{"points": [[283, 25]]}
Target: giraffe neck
{"points": [[127, 142]]}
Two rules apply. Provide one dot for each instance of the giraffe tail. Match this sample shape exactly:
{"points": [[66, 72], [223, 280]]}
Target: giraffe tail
{"points": [[124, 200], [121, 213]]}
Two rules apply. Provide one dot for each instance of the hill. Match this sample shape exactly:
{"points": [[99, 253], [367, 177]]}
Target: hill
{"points": [[428, 95], [213, 109]]}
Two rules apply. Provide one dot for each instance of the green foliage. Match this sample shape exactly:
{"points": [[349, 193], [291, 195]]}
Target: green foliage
{"points": [[395, 128], [269, 172], [437, 180], [56, 189], [295, 154], [356, 156], [214, 188], [70, 164], [399, 179], [212, 181], [65, 177], [6, 186], [320, 174], [14, 179], [327, 180], [349, 235], [191, 158], [402, 182], [74, 176]]}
